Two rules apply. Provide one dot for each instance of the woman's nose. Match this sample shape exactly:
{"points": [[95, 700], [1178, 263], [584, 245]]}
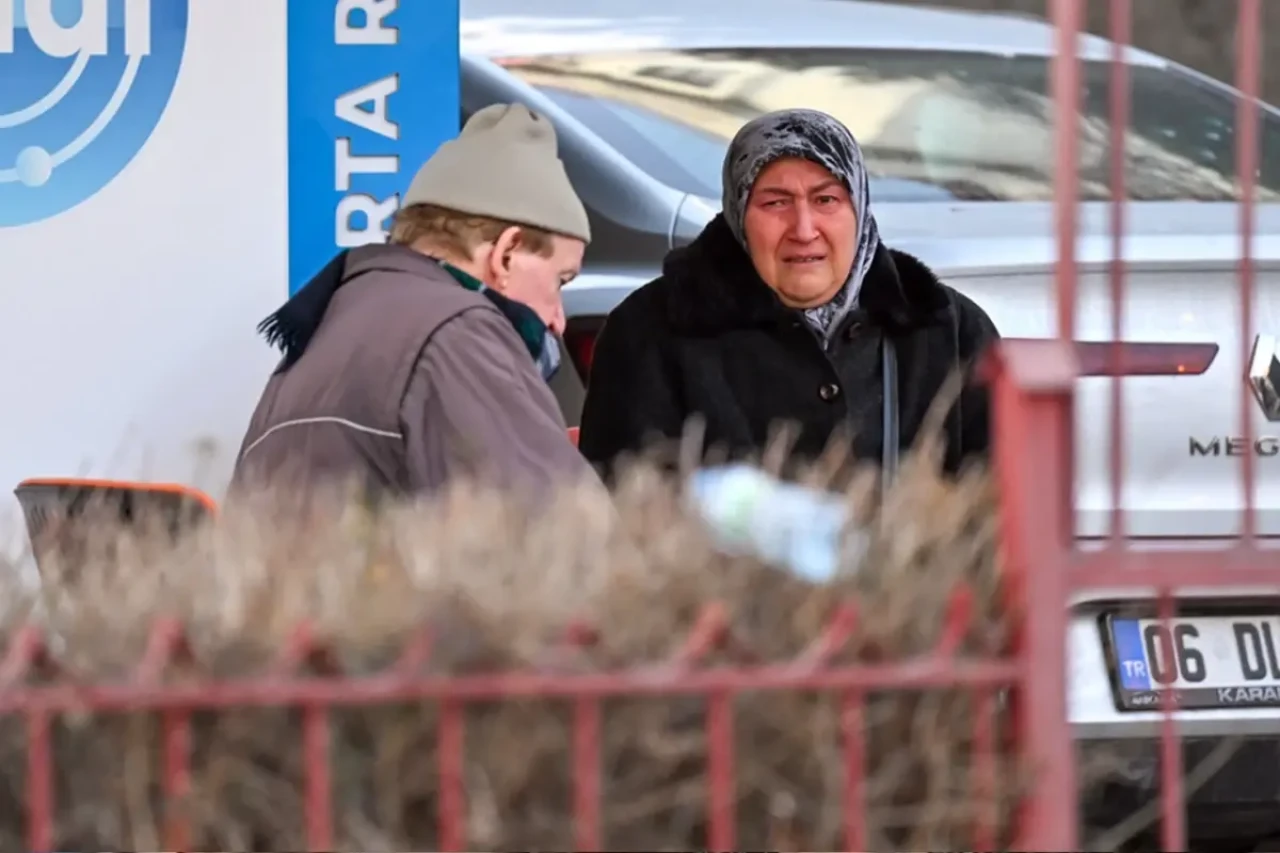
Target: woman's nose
{"points": [[802, 226]]}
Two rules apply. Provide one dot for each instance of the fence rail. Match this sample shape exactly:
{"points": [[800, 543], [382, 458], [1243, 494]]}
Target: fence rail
{"points": [[307, 678]]}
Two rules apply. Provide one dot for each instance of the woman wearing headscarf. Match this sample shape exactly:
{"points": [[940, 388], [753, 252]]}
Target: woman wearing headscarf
{"points": [[788, 308]]}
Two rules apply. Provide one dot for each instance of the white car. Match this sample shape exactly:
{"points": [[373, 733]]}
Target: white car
{"points": [[954, 114]]}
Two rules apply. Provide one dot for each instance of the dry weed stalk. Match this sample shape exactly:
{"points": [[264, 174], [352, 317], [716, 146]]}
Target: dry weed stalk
{"points": [[501, 582]]}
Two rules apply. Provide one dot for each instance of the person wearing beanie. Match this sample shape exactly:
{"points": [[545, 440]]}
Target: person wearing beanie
{"points": [[412, 363]]}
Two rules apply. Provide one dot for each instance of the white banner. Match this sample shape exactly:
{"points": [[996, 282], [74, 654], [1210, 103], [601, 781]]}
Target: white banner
{"points": [[145, 213]]}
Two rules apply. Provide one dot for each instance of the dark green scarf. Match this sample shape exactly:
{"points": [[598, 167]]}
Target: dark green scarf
{"points": [[542, 345]]}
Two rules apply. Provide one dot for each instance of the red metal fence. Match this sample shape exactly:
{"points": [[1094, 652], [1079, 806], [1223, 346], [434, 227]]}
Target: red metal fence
{"points": [[1034, 412], [1033, 399]]}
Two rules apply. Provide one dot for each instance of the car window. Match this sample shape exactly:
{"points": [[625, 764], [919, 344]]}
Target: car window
{"points": [[934, 125]]}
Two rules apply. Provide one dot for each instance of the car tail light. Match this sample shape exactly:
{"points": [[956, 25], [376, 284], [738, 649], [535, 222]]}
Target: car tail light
{"points": [[1097, 358], [1120, 358], [1107, 358], [580, 341]]}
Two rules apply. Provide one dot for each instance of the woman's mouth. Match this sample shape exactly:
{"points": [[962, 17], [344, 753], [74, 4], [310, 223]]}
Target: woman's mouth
{"points": [[804, 259]]}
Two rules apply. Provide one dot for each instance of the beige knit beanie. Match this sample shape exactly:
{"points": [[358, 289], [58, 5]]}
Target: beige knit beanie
{"points": [[503, 165]]}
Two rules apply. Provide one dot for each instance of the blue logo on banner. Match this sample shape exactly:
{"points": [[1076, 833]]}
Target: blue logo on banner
{"points": [[373, 91], [85, 84], [1131, 655]]}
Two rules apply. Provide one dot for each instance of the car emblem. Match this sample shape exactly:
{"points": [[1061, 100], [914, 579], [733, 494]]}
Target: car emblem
{"points": [[1264, 375]]}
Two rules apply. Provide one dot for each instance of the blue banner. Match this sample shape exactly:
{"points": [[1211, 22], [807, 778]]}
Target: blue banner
{"points": [[373, 91]]}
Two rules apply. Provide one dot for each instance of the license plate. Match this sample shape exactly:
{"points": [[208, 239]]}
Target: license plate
{"points": [[1202, 661]]}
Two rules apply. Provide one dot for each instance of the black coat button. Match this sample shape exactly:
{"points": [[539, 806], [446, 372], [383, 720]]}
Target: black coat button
{"points": [[829, 391], [852, 331]]}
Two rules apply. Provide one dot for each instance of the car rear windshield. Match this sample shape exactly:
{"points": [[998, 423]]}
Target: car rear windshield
{"points": [[934, 125]]}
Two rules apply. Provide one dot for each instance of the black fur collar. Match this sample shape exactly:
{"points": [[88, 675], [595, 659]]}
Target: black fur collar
{"points": [[713, 286]]}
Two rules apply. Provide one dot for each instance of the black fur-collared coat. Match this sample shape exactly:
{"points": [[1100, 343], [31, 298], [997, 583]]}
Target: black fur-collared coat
{"points": [[709, 338]]}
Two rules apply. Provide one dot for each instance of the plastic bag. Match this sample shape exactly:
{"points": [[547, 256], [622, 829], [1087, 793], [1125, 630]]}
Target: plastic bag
{"points": [[794, 527]]}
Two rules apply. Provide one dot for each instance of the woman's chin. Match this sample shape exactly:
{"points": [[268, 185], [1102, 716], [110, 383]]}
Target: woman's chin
{"points": [[807, 290]]}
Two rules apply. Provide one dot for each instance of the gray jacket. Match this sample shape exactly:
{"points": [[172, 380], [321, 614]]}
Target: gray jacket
{"points": [[408, 381]]}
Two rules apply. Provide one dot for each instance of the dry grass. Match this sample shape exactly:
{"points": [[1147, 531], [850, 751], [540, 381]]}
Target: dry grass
{"points": [[501, 583]]}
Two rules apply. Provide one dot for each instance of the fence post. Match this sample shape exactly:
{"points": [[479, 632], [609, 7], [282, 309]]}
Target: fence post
{"points": [[1032, 399]]}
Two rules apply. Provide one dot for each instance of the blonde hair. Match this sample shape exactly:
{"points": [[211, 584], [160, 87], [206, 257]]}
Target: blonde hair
{"points": [[459, 234]]}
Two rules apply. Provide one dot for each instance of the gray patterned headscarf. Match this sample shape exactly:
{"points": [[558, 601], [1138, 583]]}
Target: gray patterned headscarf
{"points": [[814, 136]]}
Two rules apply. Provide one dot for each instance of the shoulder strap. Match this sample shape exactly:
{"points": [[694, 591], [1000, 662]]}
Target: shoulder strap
{"points": [[889, 463]]}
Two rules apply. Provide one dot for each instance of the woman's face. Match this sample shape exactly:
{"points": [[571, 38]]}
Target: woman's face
{"points": [[801, 231]]}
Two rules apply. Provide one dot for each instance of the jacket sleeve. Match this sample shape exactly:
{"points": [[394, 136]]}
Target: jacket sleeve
{"points": [[631, 399], [476, 406], [977, 333]]}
